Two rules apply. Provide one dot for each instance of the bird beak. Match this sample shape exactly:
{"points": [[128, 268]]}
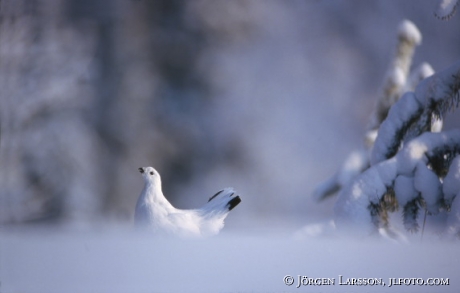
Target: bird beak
{"points": [[141, 170]]}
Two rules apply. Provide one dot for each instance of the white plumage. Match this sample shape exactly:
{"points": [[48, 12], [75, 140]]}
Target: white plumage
{"points": [[155, 212]]}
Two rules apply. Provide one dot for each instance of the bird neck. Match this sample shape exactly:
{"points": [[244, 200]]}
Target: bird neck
{"points": [[154, 194]]}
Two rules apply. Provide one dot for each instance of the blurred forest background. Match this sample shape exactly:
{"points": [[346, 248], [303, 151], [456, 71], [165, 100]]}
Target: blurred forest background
{"points": [[265, 96]]}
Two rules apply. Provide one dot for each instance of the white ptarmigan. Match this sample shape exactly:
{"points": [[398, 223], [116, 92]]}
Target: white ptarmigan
{"points": [[155, 212]]}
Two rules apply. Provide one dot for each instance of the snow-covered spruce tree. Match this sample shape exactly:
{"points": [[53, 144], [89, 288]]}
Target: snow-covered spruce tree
{"points": [[411, 168], [398, 80]]}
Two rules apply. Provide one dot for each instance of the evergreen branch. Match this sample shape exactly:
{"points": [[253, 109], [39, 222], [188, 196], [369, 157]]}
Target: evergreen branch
{"points": [[396, 78], [425, 159], [452, 99], [446, 9], [413, 113], [402, 116], [440, 158], [410, 214], [394, 84]]}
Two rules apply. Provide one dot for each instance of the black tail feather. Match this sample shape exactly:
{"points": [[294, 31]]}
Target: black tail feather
{"points": [[233, 202]]}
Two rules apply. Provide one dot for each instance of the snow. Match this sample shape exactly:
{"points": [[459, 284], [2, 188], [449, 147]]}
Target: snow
{"points": [[354, 164], [351, 214], [402, 110], [387, 171], [436, 125], [446, 9], [421, 72], [438, 86], [397, 77], [453, 219], [352, 206], [120, 260], [409, 31], [282, 155], [428, 184], [425, 70], [370, 137], [416, 149], [404, 188], [316, 230], [327, 187], [451, 183], [410, 155]]}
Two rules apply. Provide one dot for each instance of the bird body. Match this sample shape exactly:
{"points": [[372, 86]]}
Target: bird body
{"points": [[155, 212]]}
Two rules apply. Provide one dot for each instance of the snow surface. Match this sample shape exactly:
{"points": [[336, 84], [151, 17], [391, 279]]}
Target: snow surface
{"points": [[120, 260]]}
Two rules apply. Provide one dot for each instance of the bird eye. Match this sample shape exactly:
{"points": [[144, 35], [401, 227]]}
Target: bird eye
{"points": [[151, 173]]}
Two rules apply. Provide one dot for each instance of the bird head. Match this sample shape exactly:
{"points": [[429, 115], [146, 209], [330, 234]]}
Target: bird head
{"points": [[150, 175]]}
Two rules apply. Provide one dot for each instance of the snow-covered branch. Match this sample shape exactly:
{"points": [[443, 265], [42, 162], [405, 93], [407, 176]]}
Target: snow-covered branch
{"points": [[446, 9], [412, 167], [413, 114], [396, 82], [408, 38], [413, 177]]}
